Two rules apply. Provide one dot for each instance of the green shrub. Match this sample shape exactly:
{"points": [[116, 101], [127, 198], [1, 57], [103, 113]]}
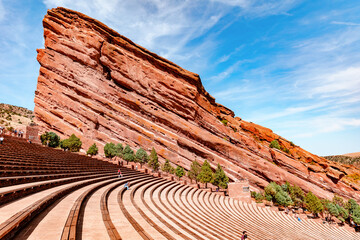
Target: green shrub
{"points": [[110, 150], [332, 209], [297, 195], [353, 209], [343, 213], [268, 197], [284, 149], [338, 200], [258, 196], [224, 121], [50, 139], [93, 150], [179, 172], [275, 144], [283, 198], [286, 187], [272, 188], [253, 194], [313, 203]]}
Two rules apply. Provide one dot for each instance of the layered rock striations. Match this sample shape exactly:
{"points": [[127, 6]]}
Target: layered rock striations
{"points": [[103, 87]]}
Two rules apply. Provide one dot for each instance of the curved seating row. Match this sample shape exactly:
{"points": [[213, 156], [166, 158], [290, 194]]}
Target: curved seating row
{"points": [[83, 198]]}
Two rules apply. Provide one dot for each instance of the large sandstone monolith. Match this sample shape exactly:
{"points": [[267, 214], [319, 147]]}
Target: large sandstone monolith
{"points": [[102, 87]]}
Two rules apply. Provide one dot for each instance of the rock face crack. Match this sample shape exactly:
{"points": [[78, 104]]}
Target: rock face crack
{"points": [[106, 69], [102, 87]]}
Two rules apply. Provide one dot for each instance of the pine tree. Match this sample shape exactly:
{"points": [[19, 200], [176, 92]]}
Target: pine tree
{"points": [[194, 171], [128, 154], [153, 160], [166, 167], [93, 150], [206, 174], [179, 172], [220, 179], [141, 156]]}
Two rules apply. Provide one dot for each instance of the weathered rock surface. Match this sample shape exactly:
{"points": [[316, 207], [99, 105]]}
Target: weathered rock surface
{"points": [[101, 86]]}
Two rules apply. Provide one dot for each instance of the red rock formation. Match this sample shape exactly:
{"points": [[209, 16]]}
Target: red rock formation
{"points": [[103, 87]]}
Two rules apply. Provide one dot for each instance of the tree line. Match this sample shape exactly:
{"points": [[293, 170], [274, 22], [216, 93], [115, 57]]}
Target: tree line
{"points": [[288, 195]]}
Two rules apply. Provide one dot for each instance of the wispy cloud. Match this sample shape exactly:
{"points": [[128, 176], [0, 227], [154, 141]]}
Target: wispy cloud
{"points": [[165, 27], [228, 71], [261, 8], [2, 11], [345, 23]]}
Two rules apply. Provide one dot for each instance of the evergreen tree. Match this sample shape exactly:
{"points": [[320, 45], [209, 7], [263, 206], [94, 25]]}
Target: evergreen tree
{"points": [[179, 172], [313, 203], [220, 179], [141, 156], [166, 167], [194, 171], [93, 150], [128, 154], [206, 174], [109, 150], [153, 160]]}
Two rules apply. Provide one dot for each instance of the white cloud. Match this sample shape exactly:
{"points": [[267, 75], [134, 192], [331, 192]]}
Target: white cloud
{"points": [[340, 83], [345, 23], [261, 8], [165, 27], [2, 11], [228, 71]]}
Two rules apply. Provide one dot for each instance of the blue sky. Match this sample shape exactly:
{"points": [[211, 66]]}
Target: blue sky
{"points": [[292, 66]]}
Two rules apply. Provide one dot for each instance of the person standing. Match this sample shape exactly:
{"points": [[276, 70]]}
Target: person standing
{"points": [[1, 139], [244, 236], [119, 173]]}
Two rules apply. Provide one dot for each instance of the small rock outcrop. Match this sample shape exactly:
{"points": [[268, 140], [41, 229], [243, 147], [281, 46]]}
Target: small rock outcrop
{"points": [[102, 87]]}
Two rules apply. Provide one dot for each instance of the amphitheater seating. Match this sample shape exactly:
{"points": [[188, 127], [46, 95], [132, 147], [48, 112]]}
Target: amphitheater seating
{"points": [[51, 194]]}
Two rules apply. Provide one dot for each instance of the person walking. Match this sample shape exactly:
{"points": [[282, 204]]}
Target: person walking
{"points": [[119, 173], [1, 139]]}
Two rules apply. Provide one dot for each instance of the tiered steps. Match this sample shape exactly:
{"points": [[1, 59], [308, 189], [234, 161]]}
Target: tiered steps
{"points": [[52, 194]]}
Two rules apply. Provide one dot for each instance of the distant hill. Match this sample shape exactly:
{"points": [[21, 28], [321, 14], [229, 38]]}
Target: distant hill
{"points": [[355, 154], [14, 116], [349, 158]]}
